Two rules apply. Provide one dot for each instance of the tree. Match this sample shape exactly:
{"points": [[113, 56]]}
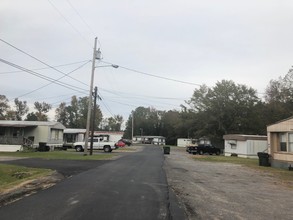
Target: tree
{"points": [[279, 98], [146, 121], [72, 111], [225, 108], [62, 115], [21, 109], [4, 106], [42, 109], [31, 117], [114, 123]]}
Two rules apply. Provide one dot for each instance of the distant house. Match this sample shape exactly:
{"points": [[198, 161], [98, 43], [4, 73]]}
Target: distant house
{"points": [[157, 140], [280, 141], [14, 134], [184, 142], [72, 135], [246, 146]]}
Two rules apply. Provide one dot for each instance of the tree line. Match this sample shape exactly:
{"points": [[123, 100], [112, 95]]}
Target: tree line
{"points": [[211, 112], [73, 115]]}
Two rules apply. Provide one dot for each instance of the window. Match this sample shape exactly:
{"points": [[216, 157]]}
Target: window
{"points": [[54, 134], [290, 142], [283, 141]]}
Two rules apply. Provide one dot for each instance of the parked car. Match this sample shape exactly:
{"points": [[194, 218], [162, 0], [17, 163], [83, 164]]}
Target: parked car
{"points": [[203, 149], [127, 142], [120, 144], [98, 144]]}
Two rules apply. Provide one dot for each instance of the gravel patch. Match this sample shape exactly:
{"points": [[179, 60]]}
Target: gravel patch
{"points": [[226, 191]]}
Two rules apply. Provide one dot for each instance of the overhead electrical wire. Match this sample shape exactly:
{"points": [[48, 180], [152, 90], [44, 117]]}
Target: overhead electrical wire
{"points": [[84, 21], [44, 68], [153, 75], [71, 25], [44, 77], [137, 95], [16, 48], [56, 80]]}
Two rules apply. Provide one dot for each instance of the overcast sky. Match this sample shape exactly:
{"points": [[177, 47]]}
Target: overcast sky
{"points": [[193, 41]]}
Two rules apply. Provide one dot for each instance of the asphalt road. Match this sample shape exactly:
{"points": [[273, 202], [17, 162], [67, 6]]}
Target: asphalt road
{"points": [[131, 187]]}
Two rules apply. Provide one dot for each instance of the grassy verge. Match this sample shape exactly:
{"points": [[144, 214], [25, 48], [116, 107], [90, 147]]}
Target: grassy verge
{"points": [[285, 176], [11, 175], [66, 155]]}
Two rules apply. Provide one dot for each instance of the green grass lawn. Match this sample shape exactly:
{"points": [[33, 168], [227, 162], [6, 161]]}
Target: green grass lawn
{"points": [[66, 155], [11, 175]]}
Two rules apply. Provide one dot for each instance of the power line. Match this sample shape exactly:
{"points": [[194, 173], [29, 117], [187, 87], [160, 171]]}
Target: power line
{"points": [[62, 65], [16, 48], [42, 76], [137, 96], [71, 25], [56, 80], [83, 20], [105, 105], [153, 75]]}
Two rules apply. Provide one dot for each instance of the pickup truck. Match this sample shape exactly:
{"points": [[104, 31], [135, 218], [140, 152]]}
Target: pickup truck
{"points": [[98, 144], [203, 148]]}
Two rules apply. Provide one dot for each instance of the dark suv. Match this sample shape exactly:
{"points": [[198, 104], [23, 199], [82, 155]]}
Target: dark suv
{"points": [[203, 149]]}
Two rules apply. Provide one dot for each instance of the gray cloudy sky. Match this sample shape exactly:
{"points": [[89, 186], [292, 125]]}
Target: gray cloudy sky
{"points": [[201, 42]]}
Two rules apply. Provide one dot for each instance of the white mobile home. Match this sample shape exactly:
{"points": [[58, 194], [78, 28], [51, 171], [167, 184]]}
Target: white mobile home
{"points": [[246, 146], [156, 140], [184, 142], [72, 135], [14, 134]]}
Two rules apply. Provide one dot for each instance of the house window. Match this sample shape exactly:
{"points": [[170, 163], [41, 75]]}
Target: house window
{"points": [[290, 142], [283, 141], [2, 131], [54, 134], [233, 145]]}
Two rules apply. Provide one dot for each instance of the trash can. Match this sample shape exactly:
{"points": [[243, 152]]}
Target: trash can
{"points": [[166, 150], [263, 159], [43, 147]]}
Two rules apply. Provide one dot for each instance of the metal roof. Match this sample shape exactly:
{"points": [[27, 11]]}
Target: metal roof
{"points": [[7, 123], [74, 130], [244, 137]]}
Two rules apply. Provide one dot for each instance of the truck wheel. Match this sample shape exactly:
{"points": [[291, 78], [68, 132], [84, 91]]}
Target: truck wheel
{"points": [[78, 148], [107, 149], [201, 152]]}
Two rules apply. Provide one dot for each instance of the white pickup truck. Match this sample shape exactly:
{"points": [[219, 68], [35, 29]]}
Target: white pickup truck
{"points": [[98, 144]]}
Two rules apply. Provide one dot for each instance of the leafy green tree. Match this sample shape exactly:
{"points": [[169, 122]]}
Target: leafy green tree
{"points": [[146, 121], [114, 123], [72, 111], [82, 106], [31, 117], [42, 109], [21, 109], [279, 98], [62, 115], [223, 109], [4, 106]]}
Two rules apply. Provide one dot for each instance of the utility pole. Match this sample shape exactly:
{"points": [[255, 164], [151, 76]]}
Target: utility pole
{"points": [[93, 120], [96, 55], [132, 127]]}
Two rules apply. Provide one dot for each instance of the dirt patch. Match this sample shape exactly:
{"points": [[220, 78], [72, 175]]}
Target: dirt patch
{"points": [[226, 191], [28, 187]]}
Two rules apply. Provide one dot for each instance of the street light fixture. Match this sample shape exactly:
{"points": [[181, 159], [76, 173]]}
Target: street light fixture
{"points": [[96, 56]]}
